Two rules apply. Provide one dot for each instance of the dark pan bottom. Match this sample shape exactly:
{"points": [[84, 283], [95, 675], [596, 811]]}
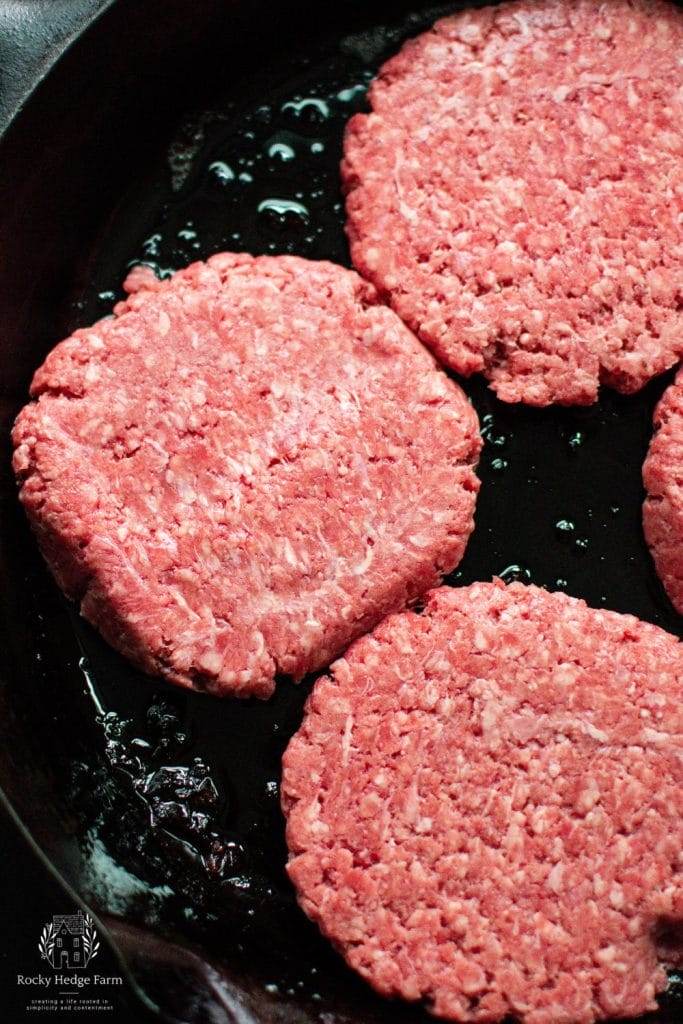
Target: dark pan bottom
{"points": [[172, 798]]}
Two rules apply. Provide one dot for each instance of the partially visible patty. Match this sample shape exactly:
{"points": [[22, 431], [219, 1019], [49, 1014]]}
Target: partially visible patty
{"points": [[517, 194], [485, 806], [663, 479], [245, 469]]}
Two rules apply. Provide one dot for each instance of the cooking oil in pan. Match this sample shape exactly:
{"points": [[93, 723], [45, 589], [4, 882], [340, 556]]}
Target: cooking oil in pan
{"points": [[178, 799]]}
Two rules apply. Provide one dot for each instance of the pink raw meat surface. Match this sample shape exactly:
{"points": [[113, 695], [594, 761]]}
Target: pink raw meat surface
{"points": [[663, 479], [517, 194], [245, 469], [485, 806]]}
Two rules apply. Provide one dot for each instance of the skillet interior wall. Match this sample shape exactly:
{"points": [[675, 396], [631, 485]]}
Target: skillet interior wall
{"points": [[203, 841]]}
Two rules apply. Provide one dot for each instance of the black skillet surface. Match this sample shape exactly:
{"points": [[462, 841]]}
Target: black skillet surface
{"points": [[170, 799]]}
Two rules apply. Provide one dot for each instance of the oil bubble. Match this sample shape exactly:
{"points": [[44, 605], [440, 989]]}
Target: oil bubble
{"points": [[163, 273], [489, 433], [151, 245], [354, 92], [515, 574], [283, 215], [310, 111], [564, 528], [281, 151], [221, 173]]}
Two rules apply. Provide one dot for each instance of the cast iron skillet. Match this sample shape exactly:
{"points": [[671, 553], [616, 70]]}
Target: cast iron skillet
{"points": [[165, 132]]}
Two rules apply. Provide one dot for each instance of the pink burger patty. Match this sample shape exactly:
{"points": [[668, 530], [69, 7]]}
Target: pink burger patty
{"points": [[245, 469], [517, 194], [485, 806], [663, 478]]}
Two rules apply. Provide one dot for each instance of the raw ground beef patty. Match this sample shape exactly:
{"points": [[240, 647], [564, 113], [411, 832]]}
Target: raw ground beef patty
{"points": [[245, 469], [485, 806], [517, 194], [663, 479]]}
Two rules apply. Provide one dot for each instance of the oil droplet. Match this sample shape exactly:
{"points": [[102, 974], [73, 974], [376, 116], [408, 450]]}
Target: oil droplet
{"points": [[163, 273], [106, 298], [283, 214], [352, 93], [246, 178], [576, 440], [581, 545], [489, 434], [564, 528], [515, 574], [499, 465], [317, 147], [263, 114], [308, 111], [150, 246], [221, 172], [189, 235], [281, 151], [561, 584]]}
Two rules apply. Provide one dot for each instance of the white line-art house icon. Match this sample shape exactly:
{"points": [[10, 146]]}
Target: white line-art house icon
{"points": [[70, 942]]}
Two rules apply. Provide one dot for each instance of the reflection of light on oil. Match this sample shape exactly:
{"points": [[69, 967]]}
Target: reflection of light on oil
{"points": [[354, 92], [515, 574], [283, 215], [221, 173], [90, 685], [114, 887], [309, 111], [281, 151]]}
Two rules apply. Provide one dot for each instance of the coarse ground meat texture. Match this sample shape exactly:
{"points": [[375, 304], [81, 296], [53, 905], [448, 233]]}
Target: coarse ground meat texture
{"points": [[517, 194], [663, 479], [485, 806], [245, 469]]}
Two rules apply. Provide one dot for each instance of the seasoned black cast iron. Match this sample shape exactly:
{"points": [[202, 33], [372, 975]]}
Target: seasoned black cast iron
{"points": [[168, 131]]}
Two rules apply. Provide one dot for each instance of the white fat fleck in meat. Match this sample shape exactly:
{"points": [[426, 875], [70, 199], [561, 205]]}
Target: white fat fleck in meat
{"points": [[365, 563], [346, 740]]}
